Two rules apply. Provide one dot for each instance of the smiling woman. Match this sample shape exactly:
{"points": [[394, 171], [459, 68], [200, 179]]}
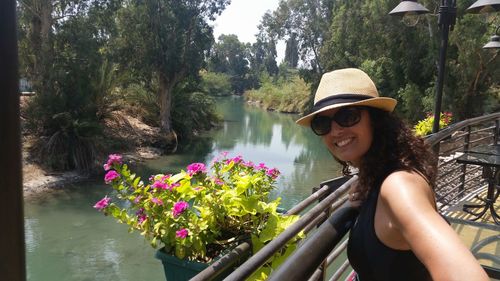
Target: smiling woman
{"points": [[398, 233]]}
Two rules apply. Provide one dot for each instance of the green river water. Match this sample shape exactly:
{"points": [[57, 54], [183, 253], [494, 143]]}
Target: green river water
{"points": [[68, 240]]}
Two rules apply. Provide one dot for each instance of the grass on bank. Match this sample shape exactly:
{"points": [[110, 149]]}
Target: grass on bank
{"points": [[288, 96]]}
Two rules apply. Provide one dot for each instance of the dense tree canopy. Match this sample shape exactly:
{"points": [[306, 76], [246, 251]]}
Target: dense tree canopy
{"points": [[81, 56]]}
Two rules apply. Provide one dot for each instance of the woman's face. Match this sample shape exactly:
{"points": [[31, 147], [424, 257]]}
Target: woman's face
{"points": [[349, 144]]}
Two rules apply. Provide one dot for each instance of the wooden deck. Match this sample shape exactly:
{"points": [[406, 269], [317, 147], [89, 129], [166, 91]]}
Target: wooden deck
{"points": [[481, 236]]}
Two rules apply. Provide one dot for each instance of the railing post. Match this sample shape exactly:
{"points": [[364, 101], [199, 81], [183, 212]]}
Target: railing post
{"points": [[12, 255], [496, 132], [464, 166]]}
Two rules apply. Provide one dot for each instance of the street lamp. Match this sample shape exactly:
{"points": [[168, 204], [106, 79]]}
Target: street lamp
{"points": [[447, 15], [494, 41]]}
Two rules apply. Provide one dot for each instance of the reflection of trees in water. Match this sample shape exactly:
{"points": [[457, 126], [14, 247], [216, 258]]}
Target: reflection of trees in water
{"points": [[251, 126]]}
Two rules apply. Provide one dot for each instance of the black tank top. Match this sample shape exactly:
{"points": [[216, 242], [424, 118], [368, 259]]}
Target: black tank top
{"points": [[374, 261]]}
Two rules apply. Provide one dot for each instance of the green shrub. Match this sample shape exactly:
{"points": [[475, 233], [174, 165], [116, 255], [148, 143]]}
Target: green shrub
{"points": [[424, 127], [215, 84], [290, 96]]}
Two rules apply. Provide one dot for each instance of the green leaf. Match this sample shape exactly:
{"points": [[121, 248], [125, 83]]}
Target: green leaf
{"points": [[269, 231]]}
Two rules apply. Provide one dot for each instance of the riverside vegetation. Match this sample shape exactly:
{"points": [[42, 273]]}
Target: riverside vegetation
{"points": [[92, 61]]}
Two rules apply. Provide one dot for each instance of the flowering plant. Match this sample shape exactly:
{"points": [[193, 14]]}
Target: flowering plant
{"points": [[424, 127], [195, 214]]}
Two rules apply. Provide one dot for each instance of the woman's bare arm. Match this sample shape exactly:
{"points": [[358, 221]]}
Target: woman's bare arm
{"points": [[409, 203]]}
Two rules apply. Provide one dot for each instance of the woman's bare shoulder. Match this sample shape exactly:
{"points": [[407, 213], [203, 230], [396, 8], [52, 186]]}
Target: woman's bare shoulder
{"points": [[406, 184]]}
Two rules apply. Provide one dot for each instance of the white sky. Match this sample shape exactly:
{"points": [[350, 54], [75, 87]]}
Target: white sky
{"points": [[242, 17]]}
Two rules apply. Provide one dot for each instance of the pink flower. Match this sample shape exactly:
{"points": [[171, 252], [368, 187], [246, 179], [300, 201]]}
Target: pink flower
{"points": [[112, 159], [247, 164], [218, 181], [179, 207], [173, 185], [157, 201], [274, 173], [111, 176], [181, 233], [261, 166], [159, 184], [141, 216], [236, 160], [137, 199], [196, 168], [103, 203]]}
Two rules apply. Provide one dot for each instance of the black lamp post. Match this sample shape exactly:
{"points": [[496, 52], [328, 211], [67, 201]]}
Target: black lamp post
{"points": [[446, 20]]}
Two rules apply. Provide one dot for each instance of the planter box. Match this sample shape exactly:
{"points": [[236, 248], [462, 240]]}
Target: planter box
{"points": [[183, 270]]}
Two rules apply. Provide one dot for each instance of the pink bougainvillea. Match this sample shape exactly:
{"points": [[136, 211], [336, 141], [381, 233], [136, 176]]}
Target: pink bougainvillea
{"points": [[182, 233], [179, 207], [111, 176], [103, 203]]}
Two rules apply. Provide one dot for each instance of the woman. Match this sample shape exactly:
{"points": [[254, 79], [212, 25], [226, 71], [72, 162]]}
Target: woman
{"points": [[399, 235]]}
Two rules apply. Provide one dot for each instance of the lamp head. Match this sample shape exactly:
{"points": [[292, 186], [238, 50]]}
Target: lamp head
{"points": [[494, 41], [484, 6], [409, 7]]}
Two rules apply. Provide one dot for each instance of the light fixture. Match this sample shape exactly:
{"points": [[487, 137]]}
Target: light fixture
{"points": [[494, 41], [484, 6], [410, 12]]}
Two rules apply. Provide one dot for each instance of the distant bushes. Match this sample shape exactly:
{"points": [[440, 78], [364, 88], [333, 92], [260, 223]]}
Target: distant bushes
{"points": [[215, 84], [286, 95]]}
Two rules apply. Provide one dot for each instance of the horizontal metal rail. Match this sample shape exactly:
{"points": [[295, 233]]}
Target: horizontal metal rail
{"points": [[259, 258], [444, 133], [335, 254], [306, 259]]}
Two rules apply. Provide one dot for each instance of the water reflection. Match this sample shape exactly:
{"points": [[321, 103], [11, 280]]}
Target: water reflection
{"points": [[261, 136]]}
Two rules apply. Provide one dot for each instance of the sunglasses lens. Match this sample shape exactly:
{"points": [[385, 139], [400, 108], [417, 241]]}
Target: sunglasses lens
{"points": [[320, 125], [347, 117]]}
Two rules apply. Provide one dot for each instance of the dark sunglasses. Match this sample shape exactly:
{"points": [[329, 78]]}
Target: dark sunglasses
{"points": [[345, 117]]}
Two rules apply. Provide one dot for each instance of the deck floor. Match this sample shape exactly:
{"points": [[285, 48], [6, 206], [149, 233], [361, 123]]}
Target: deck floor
{"points": [[481, 236]]}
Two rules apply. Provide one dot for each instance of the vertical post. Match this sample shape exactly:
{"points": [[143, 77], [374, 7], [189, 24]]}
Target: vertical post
{"points": [[496, 133], [446, 21], [464, 166], [12, 255]]}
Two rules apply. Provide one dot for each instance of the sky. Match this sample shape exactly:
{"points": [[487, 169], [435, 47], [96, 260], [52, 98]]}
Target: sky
{"points": [[242, 17]]}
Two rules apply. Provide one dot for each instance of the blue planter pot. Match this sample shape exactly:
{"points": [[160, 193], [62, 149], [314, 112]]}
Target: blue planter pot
{"points": [[182, 270]]}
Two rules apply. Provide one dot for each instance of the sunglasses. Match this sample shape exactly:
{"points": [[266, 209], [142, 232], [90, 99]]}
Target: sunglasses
{"points": [[345, 117]]}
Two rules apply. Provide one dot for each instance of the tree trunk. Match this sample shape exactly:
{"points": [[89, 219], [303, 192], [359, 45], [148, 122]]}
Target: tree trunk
{"points": [[165, 97], [41, 24]]}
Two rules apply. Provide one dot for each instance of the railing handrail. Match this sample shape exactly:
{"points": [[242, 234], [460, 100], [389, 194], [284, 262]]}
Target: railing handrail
{"points": [[448, 131], [309, 256], [259, 258]]}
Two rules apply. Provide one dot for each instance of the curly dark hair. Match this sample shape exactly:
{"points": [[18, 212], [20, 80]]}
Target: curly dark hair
{"points": [[394, 147]]}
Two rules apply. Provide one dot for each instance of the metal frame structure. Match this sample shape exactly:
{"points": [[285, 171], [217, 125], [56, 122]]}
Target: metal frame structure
{"points": [[12, 253]]}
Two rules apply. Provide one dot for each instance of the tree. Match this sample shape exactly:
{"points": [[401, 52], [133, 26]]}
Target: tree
{"points": [[168, 39], [230, 56], [60, 53]]}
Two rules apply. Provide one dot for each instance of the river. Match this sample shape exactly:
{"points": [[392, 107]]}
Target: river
{"points": [[68, 240]]}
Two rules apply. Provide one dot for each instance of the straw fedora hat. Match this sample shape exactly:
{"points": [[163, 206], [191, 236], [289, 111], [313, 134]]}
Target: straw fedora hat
{"points": [[346, 87]]}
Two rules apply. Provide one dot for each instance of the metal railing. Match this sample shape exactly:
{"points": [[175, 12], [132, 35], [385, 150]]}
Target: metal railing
{"points": [[455, 181], [322, 247]]}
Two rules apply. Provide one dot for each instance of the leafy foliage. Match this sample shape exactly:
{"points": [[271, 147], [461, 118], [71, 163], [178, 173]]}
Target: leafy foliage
{"points": [[286, 95], [215, 84], [195, 214], [424, 127]]}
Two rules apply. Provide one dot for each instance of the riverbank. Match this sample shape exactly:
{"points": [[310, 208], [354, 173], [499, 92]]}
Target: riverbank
{"points": [[38, 181]]}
